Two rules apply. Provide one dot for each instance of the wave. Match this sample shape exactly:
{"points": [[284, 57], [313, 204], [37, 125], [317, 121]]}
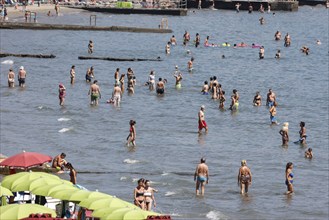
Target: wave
{"points": [[170, 193], [64, 130], [8, 62], [63, 119], [164, 174], [216, 215], [123, 178], [129, 161]]}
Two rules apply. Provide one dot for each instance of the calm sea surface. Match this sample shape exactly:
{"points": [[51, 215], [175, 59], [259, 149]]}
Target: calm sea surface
{"points": [[168, 145]]}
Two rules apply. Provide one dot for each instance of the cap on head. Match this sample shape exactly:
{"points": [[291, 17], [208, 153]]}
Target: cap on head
{"points": [[21, 68], [202, 107], [176, 67]]}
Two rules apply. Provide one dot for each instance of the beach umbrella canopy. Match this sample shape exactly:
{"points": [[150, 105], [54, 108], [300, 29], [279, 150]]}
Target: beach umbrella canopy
{"points": [[78, 196], [35, 183], [64, 194], [15, 179], [111, 202], [128, 214], [26, 160], [19, 211], [5, 192], [47, 189]]}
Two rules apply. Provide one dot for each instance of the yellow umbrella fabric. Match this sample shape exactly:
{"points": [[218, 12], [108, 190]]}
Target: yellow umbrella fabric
{"points": [[128, 214], [63, 194], [5, 192], [35, 183], [19, 211], [47, 189], [14, 179], [111, 202], [78, 196]]}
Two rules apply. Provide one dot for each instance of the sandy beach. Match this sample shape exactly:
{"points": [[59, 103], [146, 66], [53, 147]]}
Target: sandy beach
{"points": [[43, 9]]}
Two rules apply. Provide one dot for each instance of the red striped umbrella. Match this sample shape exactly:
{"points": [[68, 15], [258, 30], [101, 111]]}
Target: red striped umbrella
{"points": [[26, 160]]}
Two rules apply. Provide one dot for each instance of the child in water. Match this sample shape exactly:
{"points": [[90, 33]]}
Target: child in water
{"points": [[309, 153]]}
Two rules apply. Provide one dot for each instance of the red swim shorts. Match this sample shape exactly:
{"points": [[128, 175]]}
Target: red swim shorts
{"points": [[202, 124]]}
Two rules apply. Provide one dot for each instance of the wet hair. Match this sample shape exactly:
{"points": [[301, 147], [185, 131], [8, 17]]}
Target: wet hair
{"points": [[289, 164], [92, 67], [69, 165], [197, 34], [173, 36], [192, 59], [302, 124], [118, 69], [223, 56], [309, 149], [10, 69], [234, 45], [63, 155], [211, 78], [205, 82], [214, 77], [168, 42], [219, 85], [160, 79], [275, 104], [95, 81], [90, 41], [235, 91], [141, 180], [73, 66], [203, 160], [223, 92], [207, 37], [132, 122], [147, 181]]}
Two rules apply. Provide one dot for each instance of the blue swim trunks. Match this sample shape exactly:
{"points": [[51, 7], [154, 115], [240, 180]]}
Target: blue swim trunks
{"points": [[273, 118], [202, 178], [270, 104]]}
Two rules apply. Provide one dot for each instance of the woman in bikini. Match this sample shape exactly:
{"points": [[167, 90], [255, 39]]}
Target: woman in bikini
{"points": [[302, 133], [132, 134], [61, 94], [289, 178], [149, 196], [73, 173], [139, 199], [244, 177], [257, 100]]}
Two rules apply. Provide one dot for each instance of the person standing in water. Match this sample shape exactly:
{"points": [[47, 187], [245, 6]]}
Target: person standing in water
{"points": [[167, 50], [178, 76], [261, 52], [289, 178], [173, 40], [186, 38], [90, 47], [11, 78], [237, 7], [132, 134], [244, 177], [151, 82], [21, 76], [278, 54], [73, 173], [197, 40], [202, 122], [309, 153], [116, 76], [72, 74], [61, 94], [122, 82], [287, 40], [90, 74], [95, 93], [302, 133], [284, 134], [190, 65], [116, 95], [277, 36], [234, 100], [201, 176], [271, 98], [257, 100], [273, 114], [160, 88]]}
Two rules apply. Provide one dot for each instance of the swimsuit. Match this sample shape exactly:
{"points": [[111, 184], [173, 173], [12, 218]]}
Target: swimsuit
{"points": [[202, 124], [205, 93], [245, 179], [290, 181], [202, 178], [160, 90], [88, 78], [117, 99], [178, 86], [94, 96], [21, 81]]}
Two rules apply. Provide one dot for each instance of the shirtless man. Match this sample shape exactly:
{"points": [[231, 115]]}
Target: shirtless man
{"points": [[197, 40], [72, 74], [21, 76], [160, 88], [287, 40], [201, 176], [202, 122], [244, 177], [116, 76], [186, 38], [116, 95], [95, 93], [205, 88], [11, 78], [173, 40], [271, 98], [59, 162], [273, 114]]}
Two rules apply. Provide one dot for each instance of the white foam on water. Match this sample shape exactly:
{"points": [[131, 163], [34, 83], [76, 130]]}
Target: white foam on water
{"points": [[63, 119], [175, 214], [8, 62], [164, 174], [216, 215], [40, 107], [169, 193], [64, 130], [123, 178], [129, 161]]}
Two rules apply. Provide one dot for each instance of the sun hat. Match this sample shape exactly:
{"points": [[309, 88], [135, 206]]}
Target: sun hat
{"points": [[21, 68]]}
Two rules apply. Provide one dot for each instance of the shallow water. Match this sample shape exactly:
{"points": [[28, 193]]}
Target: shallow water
{"points": [[168, 146]]}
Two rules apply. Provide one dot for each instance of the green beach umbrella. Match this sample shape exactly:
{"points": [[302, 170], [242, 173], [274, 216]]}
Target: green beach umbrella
{"points": [[35, 183], [78, 196], [18, 178], [128, 214], [5, 192], [19, 211], [64, 194], [47, 189], [111, 202]]}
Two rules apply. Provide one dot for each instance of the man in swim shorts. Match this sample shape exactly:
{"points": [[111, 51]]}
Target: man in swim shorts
{"points": [[95, 93], [201, 176], [271, 98], [205, 88], [116, 76], [116, 95], [160, 87], [21, 76], [202, 122]]}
